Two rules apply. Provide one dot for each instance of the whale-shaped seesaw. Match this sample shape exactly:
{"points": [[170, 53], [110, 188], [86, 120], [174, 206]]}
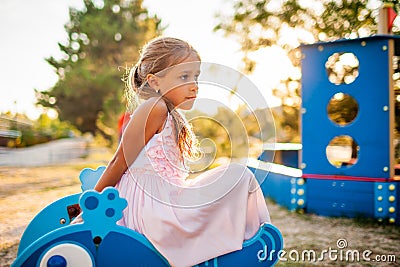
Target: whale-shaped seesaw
{"points": [[50, 241]]}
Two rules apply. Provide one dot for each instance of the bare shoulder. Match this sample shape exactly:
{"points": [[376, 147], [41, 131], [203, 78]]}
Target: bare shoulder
{"points": [[152, 113], [157, 105], [154, 108]]}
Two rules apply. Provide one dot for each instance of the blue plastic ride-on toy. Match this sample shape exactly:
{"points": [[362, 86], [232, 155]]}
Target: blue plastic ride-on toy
{"points": [[49, 240]]}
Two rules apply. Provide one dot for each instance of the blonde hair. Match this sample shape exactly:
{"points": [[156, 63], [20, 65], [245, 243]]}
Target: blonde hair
{"points": [[160, 54]]}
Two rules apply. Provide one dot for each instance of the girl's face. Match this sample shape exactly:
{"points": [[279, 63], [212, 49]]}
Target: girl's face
{"points": [[179, 83]]}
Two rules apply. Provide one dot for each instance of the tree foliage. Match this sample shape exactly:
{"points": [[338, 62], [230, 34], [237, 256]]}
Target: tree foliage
{"points": [[288, 23], [235, 134], [103, 38], [258, 24]]}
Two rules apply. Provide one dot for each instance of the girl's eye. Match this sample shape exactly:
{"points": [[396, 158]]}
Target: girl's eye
{"points": [[184, 77]]}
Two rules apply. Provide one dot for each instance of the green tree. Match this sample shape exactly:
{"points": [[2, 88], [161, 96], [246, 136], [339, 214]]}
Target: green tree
{"points": [[263, 23], [103, 39]]}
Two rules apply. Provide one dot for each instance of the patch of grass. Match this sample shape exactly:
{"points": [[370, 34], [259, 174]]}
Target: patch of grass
{"points": [[363, 221]]}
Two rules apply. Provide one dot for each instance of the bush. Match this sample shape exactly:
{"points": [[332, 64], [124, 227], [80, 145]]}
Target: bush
{"points": [[40, 131]]}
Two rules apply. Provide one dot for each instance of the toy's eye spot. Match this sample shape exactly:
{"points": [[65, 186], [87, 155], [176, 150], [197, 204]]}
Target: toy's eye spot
{"points": [[71, 255], [111, 196], [57, 261], [110, 212], [91, 203]]}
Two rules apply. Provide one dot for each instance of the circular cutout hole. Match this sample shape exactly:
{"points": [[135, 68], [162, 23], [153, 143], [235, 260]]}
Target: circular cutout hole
{"points": [[342, 151], [342, 109], [342, 68]]}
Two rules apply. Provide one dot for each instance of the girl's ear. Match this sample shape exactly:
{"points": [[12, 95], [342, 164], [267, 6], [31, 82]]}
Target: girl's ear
{"points": [[153, 81]]}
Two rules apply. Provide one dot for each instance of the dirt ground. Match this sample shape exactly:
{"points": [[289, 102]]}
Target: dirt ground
{"points": [[25, 191]]}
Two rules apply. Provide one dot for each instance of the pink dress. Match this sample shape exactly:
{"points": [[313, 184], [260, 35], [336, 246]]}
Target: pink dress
{"points": [[189, 221]]}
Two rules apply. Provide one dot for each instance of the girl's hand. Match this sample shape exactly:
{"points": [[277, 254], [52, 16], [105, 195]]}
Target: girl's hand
{"points": [[77, 219]]}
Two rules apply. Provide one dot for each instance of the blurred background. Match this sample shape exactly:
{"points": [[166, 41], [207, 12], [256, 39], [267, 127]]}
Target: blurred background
{"points": [[62, 61], [62, 97]]}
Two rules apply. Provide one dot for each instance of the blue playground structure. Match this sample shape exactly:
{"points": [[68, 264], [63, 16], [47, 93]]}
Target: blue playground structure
{"points": [[49, 240], [345, 164]]}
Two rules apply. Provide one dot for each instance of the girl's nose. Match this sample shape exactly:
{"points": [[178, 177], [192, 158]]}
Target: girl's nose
{"points": [[195, 86]]}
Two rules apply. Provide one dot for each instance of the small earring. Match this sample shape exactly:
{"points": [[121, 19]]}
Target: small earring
{"points": [[158, 91]]}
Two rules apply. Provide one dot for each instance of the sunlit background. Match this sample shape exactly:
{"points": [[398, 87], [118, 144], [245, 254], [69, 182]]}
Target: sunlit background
{"points": [[31, 30], [254, 43]]}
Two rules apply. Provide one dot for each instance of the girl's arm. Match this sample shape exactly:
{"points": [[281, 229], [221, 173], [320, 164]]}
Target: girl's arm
{"points": [[147, 120]]}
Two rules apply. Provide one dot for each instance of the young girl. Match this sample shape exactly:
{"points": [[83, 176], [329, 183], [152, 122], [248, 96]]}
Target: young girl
{"points": [[188, 220]]}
